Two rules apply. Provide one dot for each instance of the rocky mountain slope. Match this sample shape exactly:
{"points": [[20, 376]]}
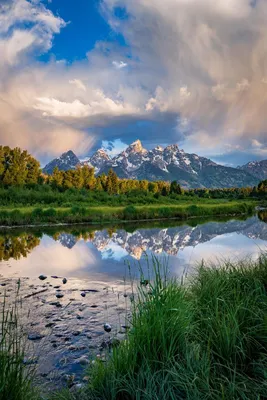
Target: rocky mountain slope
{"points": [[257, 169], [65, 162], [170, 163]]}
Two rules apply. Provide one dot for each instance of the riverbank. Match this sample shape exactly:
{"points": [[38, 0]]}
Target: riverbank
{"points": [[206, 339], [99, 215]]}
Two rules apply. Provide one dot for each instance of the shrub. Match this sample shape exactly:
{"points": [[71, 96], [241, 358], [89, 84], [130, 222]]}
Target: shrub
{"points": [[130, 213]]}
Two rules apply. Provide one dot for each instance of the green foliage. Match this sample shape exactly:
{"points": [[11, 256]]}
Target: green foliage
{"points": [[130, 213], [17, 167], [112, 184], [205, 340], [16, 381]]}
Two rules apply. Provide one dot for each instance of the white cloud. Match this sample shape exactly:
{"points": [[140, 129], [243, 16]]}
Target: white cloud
{"points": [[99, 104], [78, 83], [206, 65], [215, 49], [41, 25], [119, 64]]}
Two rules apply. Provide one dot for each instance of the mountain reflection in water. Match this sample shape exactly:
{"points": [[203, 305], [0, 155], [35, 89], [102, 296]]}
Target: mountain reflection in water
{"points": [[104, 251]]}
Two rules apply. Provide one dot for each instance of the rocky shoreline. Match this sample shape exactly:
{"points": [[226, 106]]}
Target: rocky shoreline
{"points": [[65, 325]]}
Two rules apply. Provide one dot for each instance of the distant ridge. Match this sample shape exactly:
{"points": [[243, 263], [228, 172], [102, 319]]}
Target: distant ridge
{"points": [[170, 163], [256, 168]]}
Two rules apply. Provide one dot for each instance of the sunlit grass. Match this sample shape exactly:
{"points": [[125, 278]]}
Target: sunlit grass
{"points": [[102, 214], [203, 340]]}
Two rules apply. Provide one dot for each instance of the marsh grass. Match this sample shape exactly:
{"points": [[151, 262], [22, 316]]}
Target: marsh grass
{"points": [[203, 340], [101, 214], [16, 379]]}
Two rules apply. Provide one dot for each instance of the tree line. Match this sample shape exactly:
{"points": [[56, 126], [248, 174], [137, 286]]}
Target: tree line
{"points": [[19, 168]]}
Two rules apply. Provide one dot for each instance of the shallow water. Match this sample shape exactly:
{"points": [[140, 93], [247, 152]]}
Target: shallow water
{"points": [[96, 260]]}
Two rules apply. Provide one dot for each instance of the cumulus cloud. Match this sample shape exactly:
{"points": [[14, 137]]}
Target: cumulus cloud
{"points": [[119, 64], [215, 49], [197, 71], [78, 83]]}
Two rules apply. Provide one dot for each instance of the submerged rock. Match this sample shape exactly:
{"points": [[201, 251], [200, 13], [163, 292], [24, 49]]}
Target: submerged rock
{"points": [[35, 336], [82, 360], [107, 327]]}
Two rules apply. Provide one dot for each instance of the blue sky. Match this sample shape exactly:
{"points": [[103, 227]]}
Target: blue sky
{"points": [[85, 27], [79, 74]]}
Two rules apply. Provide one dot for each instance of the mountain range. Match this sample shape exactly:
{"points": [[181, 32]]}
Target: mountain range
{"points": [[168, 164]]}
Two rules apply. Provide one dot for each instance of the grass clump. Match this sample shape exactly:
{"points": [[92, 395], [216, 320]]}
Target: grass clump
{"points": [[203, 340], [16, 379]]}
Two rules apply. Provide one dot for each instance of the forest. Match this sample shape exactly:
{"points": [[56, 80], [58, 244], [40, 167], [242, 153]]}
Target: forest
{"points": [[21, 173]]}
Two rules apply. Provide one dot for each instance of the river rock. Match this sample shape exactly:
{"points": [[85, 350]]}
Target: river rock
{"points": [[35, 336], [107, 327], [82, 360]]}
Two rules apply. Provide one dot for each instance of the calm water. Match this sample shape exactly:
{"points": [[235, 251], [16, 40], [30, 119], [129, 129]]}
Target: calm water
{"points": [[103, 254], [69, 329]]}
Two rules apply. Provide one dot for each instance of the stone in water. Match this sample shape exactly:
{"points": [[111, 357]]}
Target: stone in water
{"points": [[107, 328]]}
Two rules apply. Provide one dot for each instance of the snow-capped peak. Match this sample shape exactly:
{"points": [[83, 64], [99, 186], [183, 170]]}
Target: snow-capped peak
{"points": [[135, 147], [159, 148]]}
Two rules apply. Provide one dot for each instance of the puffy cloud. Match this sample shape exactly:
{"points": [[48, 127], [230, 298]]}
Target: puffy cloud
{"points": [[119, 64], [215, 49], [197, 72], [40, 25], [78, 83]]}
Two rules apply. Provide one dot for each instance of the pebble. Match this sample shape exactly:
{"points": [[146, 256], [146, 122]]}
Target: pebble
{"points": [[82, 360], [59, 295], [30, 361], [64, 280], [50, 325], [83, 294], [42, 277], [35, 336], [107, 327], [76, 333]]}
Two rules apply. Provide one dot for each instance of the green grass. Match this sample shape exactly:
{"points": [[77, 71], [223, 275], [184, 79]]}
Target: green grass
{"points": [[102, 214], [205, 340], [16, 380]]}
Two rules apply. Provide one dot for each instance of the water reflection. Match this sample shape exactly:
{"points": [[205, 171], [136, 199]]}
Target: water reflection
{"points": [[101, 253], [17, 246]]}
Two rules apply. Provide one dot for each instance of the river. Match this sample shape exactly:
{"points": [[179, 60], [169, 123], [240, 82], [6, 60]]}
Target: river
{"points": [[65, 321]]}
